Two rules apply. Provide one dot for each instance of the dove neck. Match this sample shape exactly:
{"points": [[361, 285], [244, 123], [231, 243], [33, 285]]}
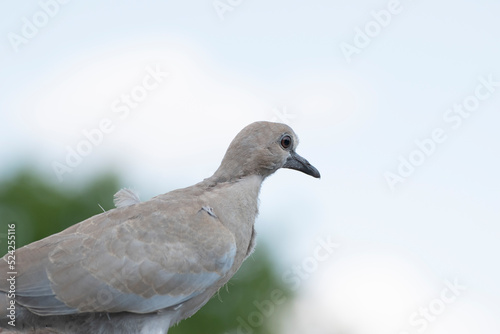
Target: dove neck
{"points": [[236, 175], [236, 168]]}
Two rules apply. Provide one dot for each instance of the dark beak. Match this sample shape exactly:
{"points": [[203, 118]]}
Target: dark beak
{"points": [[296, 162]]}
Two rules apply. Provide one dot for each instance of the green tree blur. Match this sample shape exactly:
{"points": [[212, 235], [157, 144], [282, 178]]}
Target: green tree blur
{"points": [[40, 208]]}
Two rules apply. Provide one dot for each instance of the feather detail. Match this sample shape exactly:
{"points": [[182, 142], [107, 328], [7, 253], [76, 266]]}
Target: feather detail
{"points": [[125, 197]]}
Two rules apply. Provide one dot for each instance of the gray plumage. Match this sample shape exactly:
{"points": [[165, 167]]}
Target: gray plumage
{"points": [[144, 266]]}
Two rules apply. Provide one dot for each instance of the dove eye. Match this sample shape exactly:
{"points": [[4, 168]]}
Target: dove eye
{"points": [[286, 141]]}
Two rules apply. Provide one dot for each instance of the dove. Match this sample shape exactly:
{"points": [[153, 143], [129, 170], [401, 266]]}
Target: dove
{"points": [[144, 266]]}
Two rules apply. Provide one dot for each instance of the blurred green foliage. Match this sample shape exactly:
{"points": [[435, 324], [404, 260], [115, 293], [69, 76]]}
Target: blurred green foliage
{"points": [[41, 208]]}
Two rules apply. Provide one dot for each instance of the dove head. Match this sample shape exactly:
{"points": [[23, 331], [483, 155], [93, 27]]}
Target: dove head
{"points": [[261, 148]]}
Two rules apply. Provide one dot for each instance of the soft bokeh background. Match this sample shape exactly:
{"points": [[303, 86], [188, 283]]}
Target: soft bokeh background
{"points": [[67, 69]]}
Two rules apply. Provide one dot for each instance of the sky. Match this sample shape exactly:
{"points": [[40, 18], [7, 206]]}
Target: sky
{"points": [[395, 102]]}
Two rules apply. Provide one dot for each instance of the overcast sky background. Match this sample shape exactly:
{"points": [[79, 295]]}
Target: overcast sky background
{"points": [[357, 115]]}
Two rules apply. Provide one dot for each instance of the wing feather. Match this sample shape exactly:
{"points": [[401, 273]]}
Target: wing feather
{"points": [[140, 258]]}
